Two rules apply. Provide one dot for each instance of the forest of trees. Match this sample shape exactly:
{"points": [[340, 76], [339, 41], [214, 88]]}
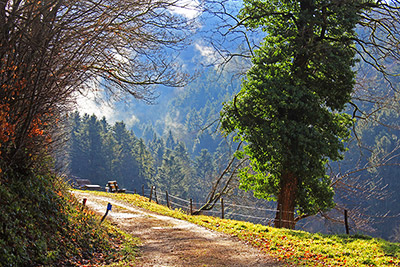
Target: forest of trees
{"points": [[324, 77], [100, 152], [187, 156]]}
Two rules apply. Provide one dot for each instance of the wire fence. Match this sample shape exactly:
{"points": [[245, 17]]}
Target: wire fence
{"points": [[227, 210]]}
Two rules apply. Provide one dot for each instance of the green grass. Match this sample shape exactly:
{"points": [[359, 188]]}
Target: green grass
{"points": [[90, 243], [290, 246]]}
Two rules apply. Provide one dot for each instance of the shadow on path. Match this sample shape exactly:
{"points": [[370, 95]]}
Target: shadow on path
{"points": [[168, 241]]}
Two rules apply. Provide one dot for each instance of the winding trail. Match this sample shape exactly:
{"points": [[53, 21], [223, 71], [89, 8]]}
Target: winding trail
{"points": [[168, 241]]}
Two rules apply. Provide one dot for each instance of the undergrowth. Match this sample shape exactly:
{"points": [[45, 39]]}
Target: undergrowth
{"points": [[290, 246], [41, 224]]}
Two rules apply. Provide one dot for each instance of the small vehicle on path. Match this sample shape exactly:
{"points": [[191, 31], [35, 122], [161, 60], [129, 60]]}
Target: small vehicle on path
{"points": [[112, 186]]}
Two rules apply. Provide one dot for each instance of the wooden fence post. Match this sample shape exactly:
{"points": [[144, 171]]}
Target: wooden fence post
{"points": [[346, 222], [151, 193], [166, 196], [155, 194], [191, 206], [222, 208], [84, 203], [134, 191], [280, 216], [142, 189]]}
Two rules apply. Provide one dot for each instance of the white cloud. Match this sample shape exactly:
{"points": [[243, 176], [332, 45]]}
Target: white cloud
{"points": [[205, 51], [171, 123], [131, 120], [209, 54], [121, 57], [187, 8], [94, 103]]}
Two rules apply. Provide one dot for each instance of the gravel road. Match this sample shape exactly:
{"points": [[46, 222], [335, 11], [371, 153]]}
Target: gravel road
{"points": [[168, 241]]}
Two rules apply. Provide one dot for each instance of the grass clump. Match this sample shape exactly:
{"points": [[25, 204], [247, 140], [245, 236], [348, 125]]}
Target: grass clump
{"points": [[41, 224], [293, 247]]}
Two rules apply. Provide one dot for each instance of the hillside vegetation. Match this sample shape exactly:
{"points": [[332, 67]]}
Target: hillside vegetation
{"points": [[293, 247], [42, 224]]}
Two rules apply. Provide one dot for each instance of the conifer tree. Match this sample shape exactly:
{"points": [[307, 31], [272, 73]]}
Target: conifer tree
{"points": [[125, 168]]}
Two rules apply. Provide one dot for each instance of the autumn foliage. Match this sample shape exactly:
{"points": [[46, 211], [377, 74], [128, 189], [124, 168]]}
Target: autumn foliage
{"points": [[50, 51], [7, 130]]}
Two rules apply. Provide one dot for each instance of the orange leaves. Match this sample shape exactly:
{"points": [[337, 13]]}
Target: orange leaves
{"points": [[6, 129], [35, 131], [38, 126]]}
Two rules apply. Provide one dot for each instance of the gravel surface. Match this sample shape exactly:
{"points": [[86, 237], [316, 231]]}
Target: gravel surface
{"points": [[168, 241]]}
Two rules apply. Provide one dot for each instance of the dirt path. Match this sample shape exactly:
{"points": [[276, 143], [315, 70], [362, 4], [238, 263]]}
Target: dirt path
{"points": [[168, 241]]}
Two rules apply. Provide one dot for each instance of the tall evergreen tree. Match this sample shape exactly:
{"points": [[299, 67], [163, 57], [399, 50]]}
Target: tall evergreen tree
{"points": [[148, 133], [204, 170], [146, 165], [96, 167], [157, 149], [170, 175], [124, 166], [108, 147], [78, 157], [170, 142], [175, 171]]}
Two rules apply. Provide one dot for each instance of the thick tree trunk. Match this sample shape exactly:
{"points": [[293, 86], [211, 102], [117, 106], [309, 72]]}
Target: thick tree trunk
{"points": [[289, 181], [286, 201]]}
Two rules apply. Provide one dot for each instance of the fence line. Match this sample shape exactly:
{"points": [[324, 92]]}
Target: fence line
{"points": [[188, 205], [227, 204], [248, 207], [173, 204], [137, 192], [178, 198], [159, 193], [249, 216]]}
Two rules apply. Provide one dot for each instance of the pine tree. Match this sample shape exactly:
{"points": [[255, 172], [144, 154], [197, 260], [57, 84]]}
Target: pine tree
{"points": [[125, 168], [95, 169], [78, 157], [157, 149], [203, 177], [170, 142], [146, 165]]}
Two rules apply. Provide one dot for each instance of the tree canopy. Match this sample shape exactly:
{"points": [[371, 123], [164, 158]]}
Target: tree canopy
{"points": [[290, 109], [51, 50]]}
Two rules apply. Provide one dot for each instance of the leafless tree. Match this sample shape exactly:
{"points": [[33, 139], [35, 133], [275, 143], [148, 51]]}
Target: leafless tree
{"points": [[224, 183], [50, 50]]}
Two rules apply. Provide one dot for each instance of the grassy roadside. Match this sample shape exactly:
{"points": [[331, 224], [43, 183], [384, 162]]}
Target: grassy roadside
{"points": [[41, 224], [90, 243], [293, 247]]}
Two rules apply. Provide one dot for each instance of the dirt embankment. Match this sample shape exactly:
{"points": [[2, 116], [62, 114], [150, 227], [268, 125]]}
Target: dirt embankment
{"points": [[168, 241]]}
